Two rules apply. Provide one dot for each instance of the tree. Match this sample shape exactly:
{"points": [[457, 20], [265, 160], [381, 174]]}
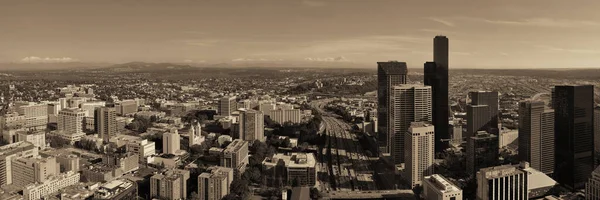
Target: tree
{"points": [[314, 193]]}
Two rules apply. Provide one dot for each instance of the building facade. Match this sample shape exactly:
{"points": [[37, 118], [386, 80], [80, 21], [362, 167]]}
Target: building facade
{"points": [[227, 105], [482, 151], [502, 182], [536, 135], [409, 103], [389, 74], [252, 126], [490, 99], [574, 135], [235, 156], [171, 143], [419, 152], [437, 187], [215, 184], [105, 120], [169, 185], [296, 168]]}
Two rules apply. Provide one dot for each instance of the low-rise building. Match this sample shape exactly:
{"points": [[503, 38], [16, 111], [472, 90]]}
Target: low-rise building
{"points": [[121, 189], [297, 168], [53, 184], [437, 187]]}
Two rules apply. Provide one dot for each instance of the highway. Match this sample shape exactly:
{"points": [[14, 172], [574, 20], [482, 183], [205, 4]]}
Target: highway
{"points": [[347, 166]]}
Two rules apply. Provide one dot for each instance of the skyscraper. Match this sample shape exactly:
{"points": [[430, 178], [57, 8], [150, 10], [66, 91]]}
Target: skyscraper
{"points": [[436, 76], [227, 105], [440, 50], [596, 129], [482, 151], [477, 117], [106, 122], [252, 125], [491, 100], [574, 135], [389, 74], [536, 135], [409, 103], [419, 149]]}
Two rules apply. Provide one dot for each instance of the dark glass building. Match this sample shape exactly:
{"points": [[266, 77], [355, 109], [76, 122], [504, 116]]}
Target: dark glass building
{"points": [[389, 74], [436, 76], [491, 100], [574, 135], [482, 151]]}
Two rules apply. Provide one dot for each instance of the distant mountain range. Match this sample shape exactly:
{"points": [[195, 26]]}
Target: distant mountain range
{"points": [[146, 66]]}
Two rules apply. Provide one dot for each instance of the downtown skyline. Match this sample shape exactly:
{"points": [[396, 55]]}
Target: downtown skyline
{"points": [[536, 34]]}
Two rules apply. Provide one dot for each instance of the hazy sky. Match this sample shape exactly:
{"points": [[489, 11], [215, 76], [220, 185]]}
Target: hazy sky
{"points": [[483, 34]]}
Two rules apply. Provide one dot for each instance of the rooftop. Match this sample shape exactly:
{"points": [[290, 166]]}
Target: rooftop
{"points": [[235, 146], [441, 183], [293, 160], [500, 171]]}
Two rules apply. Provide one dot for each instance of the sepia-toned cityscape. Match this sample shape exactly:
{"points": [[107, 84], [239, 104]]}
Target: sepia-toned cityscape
{"points": [[299, 100]]}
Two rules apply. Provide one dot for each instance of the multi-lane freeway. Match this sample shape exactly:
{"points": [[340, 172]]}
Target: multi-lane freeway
{"points": [[342, 157]]}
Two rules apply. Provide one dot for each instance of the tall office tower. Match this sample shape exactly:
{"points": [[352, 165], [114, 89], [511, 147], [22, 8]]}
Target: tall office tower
{"points": [[536, 135], [70, 121], [592, 187], [437, 187], [171, 142], [105, 122], [477, 118], [547, 141], [503, 182], [227, 105], [235, 156], [214, 184], [389, 74], [169, 185], [597, 129], [574, 135], [436, 76], [440, 50], [482, 151], [552, 98], [252, 125], [491, 100], [409, 103], [419, 149]]}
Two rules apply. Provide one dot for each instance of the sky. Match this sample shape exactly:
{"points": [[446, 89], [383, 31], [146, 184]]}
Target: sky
{"points": [[482, 34]]}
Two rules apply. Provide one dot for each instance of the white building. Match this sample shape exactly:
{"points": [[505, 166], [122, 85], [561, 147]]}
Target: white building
{"points": [[70, 121], [419, 152], [227, 105], [282, 116], [502, 182], [33, 169], [90, 106], [171, 143], [436, 187], [143, 148], [37, 138], [592, 187], [195, 135], [53, 184]]}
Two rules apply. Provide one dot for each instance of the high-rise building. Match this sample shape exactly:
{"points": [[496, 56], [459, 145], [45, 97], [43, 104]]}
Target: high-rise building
{"points": [[235, 155], [28, 170], [491, 100], [36, 115], [436, 76], [482, 151], [477, 119], [297, 167], [171, 143], [457, 133], [419, 152], [70, 121], [214, 184], [282, 116], [389, 74], [597, 129], [227, 105], [502, 182], [440, 50], [409, 103], [592, 187], [536, 135], [170, 185], [437, 187], [105, 121], [8, 153], [252, 125], [574, 135]]}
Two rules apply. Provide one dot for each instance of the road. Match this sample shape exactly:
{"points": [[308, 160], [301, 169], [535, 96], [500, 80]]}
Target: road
{"points": [[344, 160]]}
